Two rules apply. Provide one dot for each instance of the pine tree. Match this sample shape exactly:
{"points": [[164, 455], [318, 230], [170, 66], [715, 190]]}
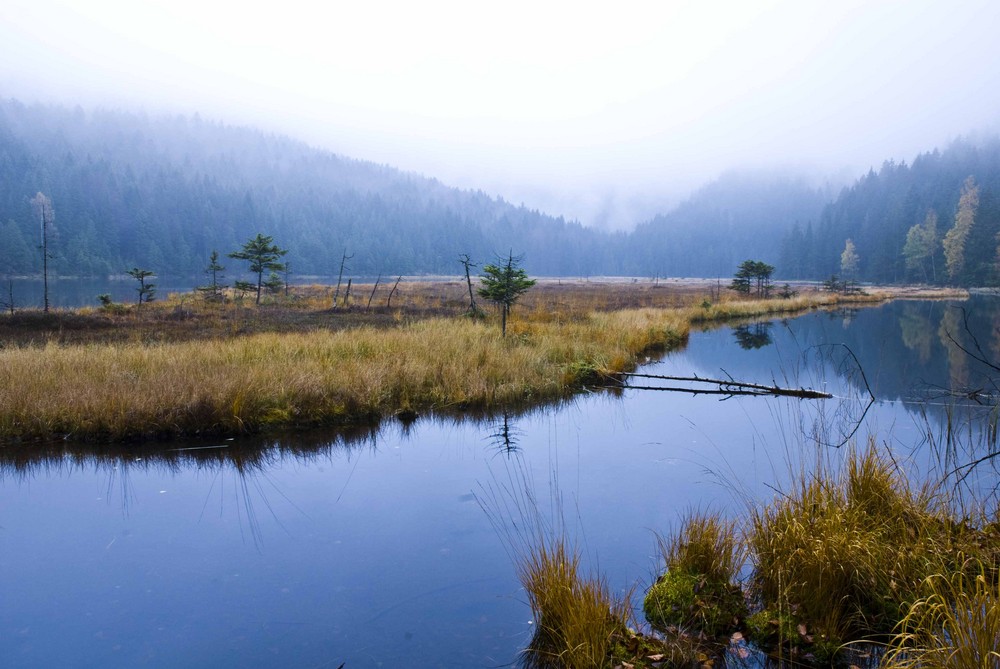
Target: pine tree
{"points": [[262, 254], [503, 285], [146, 291], [753, 275], [213, 291]]}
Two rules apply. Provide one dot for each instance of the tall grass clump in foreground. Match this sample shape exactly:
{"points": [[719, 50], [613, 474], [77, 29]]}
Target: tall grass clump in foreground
{"points": [[851, 553], [577, 619], [955, 626], [844, 552]]}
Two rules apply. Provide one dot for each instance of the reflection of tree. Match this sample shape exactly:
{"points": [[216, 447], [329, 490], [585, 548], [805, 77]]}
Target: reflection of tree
{"points": [[952, 331], [917, 331], [995, 334], [970, 439], [504, 435], [754, 335], [22, 461]]}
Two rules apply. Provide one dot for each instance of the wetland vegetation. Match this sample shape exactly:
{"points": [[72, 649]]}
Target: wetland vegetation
{"points": [[855, 565], [851, 550], [187, 366]]}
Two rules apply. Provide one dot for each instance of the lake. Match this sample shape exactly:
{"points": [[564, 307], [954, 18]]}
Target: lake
{"points": [[373, 548]]}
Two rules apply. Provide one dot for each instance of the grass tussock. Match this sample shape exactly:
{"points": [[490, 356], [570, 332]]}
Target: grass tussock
{"points": [[577, 620], [707, 544], [956, 625], [852, 552], [844, 553]]}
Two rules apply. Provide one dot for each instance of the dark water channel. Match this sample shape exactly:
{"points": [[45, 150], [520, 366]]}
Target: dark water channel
{"points": [[371, 549]]}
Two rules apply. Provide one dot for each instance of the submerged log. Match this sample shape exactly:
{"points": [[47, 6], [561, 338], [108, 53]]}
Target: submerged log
{"points": [[723, 387]]}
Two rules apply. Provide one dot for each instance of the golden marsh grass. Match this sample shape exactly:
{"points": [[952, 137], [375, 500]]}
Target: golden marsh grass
{"points": [[142, 385], [955, 626]]}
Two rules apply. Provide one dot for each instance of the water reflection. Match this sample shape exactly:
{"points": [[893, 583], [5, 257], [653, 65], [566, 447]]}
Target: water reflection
{"points": [[246, 454], [754, 335], [505, 435]]}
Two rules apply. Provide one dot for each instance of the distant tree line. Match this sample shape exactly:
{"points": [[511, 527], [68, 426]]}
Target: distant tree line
{"points": [[140, 192], [132, 191], [935, 221], [135, 191]]}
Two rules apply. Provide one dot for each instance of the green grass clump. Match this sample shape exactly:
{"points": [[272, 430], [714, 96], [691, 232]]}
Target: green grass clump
{"points": [[846, 553], [850, 553], [698, 592]]}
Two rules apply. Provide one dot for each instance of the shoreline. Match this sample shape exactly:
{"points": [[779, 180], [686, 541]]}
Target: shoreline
{"points": [[135, 387]]}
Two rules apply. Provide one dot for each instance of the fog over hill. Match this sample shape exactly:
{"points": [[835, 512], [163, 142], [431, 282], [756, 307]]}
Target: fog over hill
{"points": [[608, 116], [162, 192]]}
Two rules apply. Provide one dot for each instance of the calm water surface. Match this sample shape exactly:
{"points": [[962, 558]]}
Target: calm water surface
{"points": [[372, 550]]}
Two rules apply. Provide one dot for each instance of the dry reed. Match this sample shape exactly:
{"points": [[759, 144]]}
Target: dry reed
{"points": [[956, 626]]}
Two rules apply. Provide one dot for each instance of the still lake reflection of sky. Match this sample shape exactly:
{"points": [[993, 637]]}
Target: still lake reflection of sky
{"points": [[376, 553]]}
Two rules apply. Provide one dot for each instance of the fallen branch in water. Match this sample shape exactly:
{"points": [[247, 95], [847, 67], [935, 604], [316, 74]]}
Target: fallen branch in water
{"points": [[724, 387]]}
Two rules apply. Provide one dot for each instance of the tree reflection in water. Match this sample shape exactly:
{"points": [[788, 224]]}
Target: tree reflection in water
{"points": [[753, 335], [240, 467]]}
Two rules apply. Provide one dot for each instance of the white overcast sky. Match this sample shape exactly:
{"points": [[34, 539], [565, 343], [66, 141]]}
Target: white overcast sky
{"points": [[596, 111]]}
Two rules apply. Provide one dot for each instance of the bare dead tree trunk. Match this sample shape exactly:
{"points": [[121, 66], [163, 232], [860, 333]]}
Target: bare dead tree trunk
{"points": [[10, 296], [368, 308], [724, 387], [340, 277], [347, 294], [388, 302], [45, 264], [43, 205], [467, 263]]}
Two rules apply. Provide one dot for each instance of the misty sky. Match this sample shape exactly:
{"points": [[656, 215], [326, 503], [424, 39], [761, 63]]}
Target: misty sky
{"points": [[598, 111]]}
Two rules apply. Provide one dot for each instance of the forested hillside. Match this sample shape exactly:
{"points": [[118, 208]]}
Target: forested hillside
{"points": [[739, 216], [131, 190], [902, 222]]}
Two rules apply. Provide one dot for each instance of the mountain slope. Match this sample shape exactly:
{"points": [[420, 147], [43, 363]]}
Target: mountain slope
{"points": [[741, 215], [878, 211], [162, 193]]}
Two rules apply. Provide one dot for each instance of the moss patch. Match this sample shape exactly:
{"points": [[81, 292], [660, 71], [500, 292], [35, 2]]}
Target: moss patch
{"points": [[694, 602]]}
